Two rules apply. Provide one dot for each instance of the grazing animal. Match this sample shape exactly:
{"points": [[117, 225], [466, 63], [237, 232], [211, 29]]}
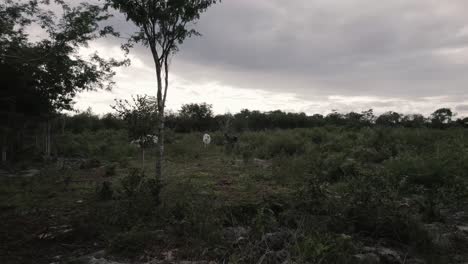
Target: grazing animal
{"points": [[206, 139], [230, 139], [135, 142], [230, 142], [146, 141], [153, 138]]}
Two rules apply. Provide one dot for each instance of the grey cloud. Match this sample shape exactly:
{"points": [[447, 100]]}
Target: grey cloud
{"points": [[382, 50], [402, 49], [462, 108]]}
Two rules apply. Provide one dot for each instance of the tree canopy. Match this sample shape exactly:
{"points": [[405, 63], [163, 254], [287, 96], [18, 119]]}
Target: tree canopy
{"points": [[442, 117], [43, 76], [163, 25], [140, 116]]}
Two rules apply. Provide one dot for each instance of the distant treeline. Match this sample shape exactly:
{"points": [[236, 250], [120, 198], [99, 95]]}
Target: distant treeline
{"points": [[25, 134], [200, 117]]}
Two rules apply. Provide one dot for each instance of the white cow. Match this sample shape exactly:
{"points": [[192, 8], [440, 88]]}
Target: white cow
{"points": [[206, 139], [152, 139]]}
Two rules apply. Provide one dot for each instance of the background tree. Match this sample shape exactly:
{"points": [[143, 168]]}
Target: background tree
{"points": [[316, 120], [464, 122], [390, 119], [414, 120], [354, 119], [41, 77], [83, 121], [335, 118], [368, 117], [51, 70], [441, 117], [196, 117], [163, 26], [140, 117], [112, 122]]}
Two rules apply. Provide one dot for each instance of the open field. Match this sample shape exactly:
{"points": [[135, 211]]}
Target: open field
{"points": [[321, 195], [306, 132]]}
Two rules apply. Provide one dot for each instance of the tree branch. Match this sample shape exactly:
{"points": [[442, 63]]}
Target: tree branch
{"points": [[166, 78]]}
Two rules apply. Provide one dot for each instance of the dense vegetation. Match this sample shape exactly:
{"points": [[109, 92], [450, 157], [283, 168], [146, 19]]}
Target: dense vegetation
{"points": [[200, 117], [328, 194]]}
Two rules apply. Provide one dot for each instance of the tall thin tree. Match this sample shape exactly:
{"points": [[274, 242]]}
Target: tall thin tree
{"points": [[163, 27]]}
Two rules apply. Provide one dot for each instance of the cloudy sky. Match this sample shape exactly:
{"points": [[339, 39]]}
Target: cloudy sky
{"points": [[312, 56]]}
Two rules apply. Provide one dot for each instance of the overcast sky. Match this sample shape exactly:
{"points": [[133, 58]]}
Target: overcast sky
{"points": [[312, 56]]}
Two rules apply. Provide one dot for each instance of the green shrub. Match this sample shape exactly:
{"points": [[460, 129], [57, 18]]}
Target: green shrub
{"points": [[324, 248], [132, 182], [285, 144], [105, 191], [287, 169], [188, 147], [376, 185], [106, 144]]}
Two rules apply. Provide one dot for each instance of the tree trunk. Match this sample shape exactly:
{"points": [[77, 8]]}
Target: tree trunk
{"points": [[160, 156], [143, 160], [160, 100]]}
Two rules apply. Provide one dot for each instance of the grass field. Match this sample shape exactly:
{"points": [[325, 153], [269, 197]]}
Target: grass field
{"points": [[322, 195]]}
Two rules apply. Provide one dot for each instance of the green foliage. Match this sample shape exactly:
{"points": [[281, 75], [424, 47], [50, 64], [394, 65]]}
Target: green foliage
{"points": [[191, 216], [441, 117], [288, 145], [324, 248], [135, 201], [299, 196], [188, 147], [109, 144], [265, 220], [162, 26], [195, 117], [389, 119], [42, 74], [51, 70], [141, 118], [136, 188], [247, 120], [132, 183], [204, 121]]}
